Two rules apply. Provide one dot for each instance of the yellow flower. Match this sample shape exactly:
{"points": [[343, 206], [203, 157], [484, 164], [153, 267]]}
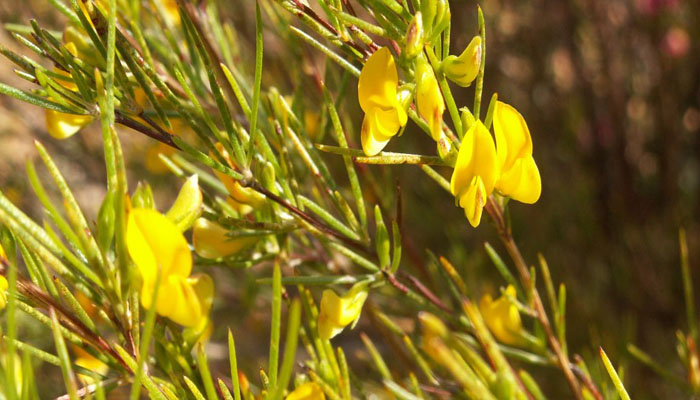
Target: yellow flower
{"points": [[476, 172], [157, 246], [377, 92], [462, 70], [63, 125], [242, 199], [520, 178], [429, 99], [3, 289], [502, 317], [338, 312], [211, 240], [307, 391], [171, 11], [90, 363]]}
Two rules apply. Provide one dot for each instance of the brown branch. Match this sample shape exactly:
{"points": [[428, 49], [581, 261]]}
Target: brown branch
{"points": [[496, 212]]}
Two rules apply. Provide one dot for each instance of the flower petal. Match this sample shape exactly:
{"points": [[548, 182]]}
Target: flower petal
{"points": [[513, 139], [473, 200], [378, 80], [154, 243], [62, 126], [210, 240], [477, 156], [372, 141]]}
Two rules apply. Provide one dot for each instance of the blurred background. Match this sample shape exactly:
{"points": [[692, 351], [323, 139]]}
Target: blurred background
{"points": [[611, 94]]}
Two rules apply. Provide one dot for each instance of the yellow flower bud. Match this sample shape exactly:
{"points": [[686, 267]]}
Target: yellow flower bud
{"points": [[338, 312], [462, 70], [476, 172], [210, 240], [162, 255], [307, 391], [520, 178], [377, 93], [502, 317], [63, 125], [432, 325], [188, 204], [429, 99], [414, 36], [90, 363], [243, 199], [3, 290]]}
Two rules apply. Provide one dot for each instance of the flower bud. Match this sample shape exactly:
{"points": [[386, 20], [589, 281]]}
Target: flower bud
{"points": [[188, 204], [462, 70], [446, 149], [143, 196], [429, 99], [432, 325], [338, 312], [433, 11], [414, 36], [211, 240]]}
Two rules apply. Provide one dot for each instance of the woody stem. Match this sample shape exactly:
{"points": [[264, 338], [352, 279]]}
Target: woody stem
{"points": [[496, 213]]}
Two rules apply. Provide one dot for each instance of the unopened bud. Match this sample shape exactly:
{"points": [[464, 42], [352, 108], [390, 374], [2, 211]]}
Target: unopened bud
{"points": [[143, 196], [414, 36], [432, 325], [462, 70]]}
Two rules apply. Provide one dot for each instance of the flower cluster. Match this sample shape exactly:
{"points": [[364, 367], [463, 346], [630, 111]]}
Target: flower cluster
{"points": [[506, 166], [483, 166]]}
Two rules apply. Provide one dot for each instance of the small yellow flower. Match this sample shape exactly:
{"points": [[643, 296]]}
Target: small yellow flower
{"points": [[377, 92], [3, 290], [171, 11], [307, 391], [520, 178], [462, 70], [502, 317], [63, 125], [242, 199], [158, 247], [429, 99], [338, 312], [90, 363], [476, 172], [211, 240]]}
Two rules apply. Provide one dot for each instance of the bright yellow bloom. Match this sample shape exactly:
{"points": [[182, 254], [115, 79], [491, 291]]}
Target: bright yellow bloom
{"points": [[63, 125], [89, 362], [211, 240], [3, 290], [520, 178], [476, 172], [429, 99], [338, 312], [502, 317], [307, 391], [157, 246], [243, 199], [377, 92], [462, 70]]}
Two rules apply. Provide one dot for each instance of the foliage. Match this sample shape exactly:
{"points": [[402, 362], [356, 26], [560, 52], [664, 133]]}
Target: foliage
{"points": [[265, 193]]}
